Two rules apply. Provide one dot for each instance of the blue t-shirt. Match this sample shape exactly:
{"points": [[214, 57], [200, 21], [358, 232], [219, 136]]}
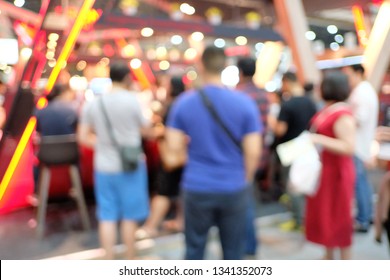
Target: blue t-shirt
{"points": [[215, 164], [58, 118]]}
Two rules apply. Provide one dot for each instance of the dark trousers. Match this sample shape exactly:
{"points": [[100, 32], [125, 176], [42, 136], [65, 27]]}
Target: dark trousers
{"points": [[250, 229], [226, 211]]}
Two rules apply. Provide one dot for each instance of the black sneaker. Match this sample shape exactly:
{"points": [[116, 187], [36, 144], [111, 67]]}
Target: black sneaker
{"points": [[360, 228]]}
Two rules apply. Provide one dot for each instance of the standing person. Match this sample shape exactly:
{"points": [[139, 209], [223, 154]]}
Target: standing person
{"points": [[168, 181], [120, 196], [247, 69], [328, 213], [217, 172], [365, 108], [293, 119]]}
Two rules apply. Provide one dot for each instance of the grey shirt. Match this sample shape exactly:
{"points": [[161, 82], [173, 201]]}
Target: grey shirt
{"points": [[125, 115]]}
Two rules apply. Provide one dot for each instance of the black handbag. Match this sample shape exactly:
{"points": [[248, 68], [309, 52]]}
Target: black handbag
{"points": [[129, 155]]}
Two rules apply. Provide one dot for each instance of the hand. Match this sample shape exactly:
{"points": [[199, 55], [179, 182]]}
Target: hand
{"points": [[382, 134], [315, 138], [371, 163]]}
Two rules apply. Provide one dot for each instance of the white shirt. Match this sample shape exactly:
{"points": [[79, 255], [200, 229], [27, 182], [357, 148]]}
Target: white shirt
{"points": [[365, 105]]}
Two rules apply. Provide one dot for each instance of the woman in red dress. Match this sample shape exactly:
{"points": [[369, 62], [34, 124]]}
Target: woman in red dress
{"points": [[329, 219]]}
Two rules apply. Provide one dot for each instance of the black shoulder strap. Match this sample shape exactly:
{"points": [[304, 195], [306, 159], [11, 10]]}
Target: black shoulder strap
{"points": [[215, 115], [108, 123]]}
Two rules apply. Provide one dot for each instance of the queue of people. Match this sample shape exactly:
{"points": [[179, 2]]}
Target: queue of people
{"points": [[215, 150]]}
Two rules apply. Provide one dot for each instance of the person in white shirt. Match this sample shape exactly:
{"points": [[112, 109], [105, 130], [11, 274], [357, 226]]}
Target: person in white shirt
{"points": [[365, 105]]}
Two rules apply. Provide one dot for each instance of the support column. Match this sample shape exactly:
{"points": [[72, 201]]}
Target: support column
{"points": [[292, 18], [377, 54]]}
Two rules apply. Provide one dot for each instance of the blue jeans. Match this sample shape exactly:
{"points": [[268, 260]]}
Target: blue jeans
{"points": [[250, 229], [363, 194], [226, 211]]}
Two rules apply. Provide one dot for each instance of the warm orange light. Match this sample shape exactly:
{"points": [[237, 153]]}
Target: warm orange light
{"points": [[141, 77], [69, 44], [42, 103], [17, 155], [360, 26]]}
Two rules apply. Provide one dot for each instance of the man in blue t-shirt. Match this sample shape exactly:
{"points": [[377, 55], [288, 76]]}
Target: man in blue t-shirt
{"points": [[217, 172]]}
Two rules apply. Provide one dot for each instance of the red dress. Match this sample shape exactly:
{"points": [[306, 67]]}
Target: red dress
{"points": [[329, 219]]}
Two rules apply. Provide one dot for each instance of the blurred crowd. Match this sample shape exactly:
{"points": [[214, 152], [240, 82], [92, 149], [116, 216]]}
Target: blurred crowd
{"points": [[204, 155]]}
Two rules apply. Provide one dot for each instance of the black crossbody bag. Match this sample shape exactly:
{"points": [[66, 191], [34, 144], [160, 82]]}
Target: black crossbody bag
{"points": [[213, 112]]}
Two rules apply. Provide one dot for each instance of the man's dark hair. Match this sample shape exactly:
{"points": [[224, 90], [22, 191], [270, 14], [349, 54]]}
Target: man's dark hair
{"points": [[358, 68], [247, 66], [214, 59], [57, 90], [335, 86], [290, 76], [119, 71], [177, 86]]}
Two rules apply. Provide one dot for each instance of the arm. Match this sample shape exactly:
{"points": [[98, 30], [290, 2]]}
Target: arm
{"points": [[86, 136], [344, 143], [251, 146], [359, 108], [175, 148], [2, 117], [281, 125], [383, 134], [280, 128]]}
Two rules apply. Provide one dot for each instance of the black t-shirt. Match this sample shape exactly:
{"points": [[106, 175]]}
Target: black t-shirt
{"points": [[297, 113]]}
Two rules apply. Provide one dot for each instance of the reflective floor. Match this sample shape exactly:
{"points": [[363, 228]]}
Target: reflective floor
{"points": [[64, 238]]}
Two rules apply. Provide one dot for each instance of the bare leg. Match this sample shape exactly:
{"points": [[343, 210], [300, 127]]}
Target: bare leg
{"points": [[128, 229], [159, 209], [177, 224], [345, 253], [329, 254], [107, 235]]}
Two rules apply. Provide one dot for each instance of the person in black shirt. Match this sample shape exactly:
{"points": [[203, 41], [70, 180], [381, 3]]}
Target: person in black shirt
{"points": [[294, 117]]}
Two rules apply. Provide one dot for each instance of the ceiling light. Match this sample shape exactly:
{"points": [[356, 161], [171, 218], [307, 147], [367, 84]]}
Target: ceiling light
{"points": [[53, 37], [25, 53], [135, 63], [164, 65], [147, 32], [241, 40], [176, 39], [339, 38], [50, 55], [51, 44], [19, 3], [332, 29], [310, 35], [219, 43], [52, 63], [197, 36], [192, 75], [190, 54], [187, 9], [128, 51], [334, 46], [81, 65], [161, 53], [259, 46]]}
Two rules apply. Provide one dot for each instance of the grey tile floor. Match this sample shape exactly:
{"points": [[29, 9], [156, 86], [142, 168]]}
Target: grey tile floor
{"points": [[64, 238]]}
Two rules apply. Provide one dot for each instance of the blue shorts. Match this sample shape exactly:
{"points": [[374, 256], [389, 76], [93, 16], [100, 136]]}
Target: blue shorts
{"points": [[122, 196]]}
